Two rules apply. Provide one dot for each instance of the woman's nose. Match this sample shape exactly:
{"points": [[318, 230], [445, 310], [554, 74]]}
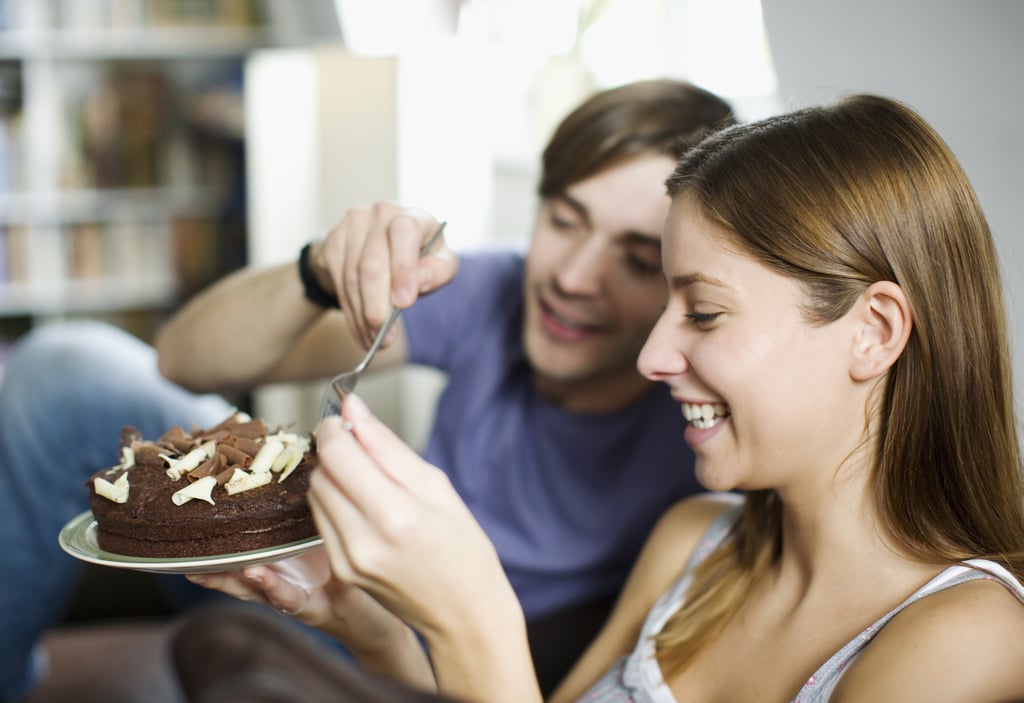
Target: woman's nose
{"points": [[662, 355]]}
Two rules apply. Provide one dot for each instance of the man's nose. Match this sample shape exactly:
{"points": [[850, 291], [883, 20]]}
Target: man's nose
{"points": [[582, 271]]}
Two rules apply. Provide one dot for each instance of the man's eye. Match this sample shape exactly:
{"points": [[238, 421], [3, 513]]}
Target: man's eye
{"points": [[643, 266], [561, 223]]}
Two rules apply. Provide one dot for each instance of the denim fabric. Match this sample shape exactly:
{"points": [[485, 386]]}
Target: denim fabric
{"points": [[66, 393]]}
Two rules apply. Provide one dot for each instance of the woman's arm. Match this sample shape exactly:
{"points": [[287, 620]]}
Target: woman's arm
{"points": [[393, 525]]}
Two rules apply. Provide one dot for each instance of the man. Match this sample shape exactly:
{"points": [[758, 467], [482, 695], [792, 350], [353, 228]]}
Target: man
{"points": [[545, 427]]}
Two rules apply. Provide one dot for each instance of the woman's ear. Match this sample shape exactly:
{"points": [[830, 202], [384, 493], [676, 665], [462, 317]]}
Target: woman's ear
{"points": [[884, 323]]}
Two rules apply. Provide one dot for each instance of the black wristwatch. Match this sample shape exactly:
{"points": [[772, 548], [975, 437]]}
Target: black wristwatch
{"points": [[315, 293]]}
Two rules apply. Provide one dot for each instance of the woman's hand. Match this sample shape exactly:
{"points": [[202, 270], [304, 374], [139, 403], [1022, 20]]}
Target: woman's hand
{"points": [[303, 587], [394, 525], [371, 259]]}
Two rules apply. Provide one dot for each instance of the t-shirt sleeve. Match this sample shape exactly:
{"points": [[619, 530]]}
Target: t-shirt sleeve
{"points": [[443, 326]]}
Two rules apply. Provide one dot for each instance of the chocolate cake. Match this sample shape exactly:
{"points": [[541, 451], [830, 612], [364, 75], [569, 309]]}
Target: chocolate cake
{"points": [[230, 488]]}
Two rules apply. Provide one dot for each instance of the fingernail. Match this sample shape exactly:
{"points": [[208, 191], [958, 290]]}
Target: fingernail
{"points": [[426, 277], [197, 579], [347, 426], [403, 297], [356, 408]]}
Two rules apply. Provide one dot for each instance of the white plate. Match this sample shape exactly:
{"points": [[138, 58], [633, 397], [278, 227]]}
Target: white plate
{"points": [[78, 538]]}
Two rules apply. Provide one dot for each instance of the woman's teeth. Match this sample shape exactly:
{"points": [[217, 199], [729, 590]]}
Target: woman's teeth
{"points": [[705, 415]]}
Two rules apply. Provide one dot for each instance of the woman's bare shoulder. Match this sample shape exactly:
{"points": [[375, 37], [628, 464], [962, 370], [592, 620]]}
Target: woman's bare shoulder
{"points": [[678, 533], [690, 518], [960, 644]]}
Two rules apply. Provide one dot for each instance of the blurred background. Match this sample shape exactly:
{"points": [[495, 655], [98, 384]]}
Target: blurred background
{"points": [[148, 147]]}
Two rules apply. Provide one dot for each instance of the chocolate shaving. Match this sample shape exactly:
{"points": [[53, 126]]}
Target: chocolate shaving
{"points": [[178, 439], [244, 444], [234, 456], [225, 475], [210, 467], [130, 435], [251, 428], [147, 454]]}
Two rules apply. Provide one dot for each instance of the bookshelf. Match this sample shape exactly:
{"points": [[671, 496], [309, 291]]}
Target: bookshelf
{"points": [[122, 169]]}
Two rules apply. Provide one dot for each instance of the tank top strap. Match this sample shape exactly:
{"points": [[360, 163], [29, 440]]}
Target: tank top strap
{"points": [[820, 685]]}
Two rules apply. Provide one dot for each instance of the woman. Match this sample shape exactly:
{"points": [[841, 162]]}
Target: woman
{"points": [[835, 336]]}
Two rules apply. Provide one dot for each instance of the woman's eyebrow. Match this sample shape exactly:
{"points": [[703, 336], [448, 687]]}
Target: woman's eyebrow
{"points": [[686, 280]]}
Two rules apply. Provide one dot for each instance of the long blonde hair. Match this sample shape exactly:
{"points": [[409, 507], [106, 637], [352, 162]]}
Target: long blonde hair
{"points": [[839, 197]]}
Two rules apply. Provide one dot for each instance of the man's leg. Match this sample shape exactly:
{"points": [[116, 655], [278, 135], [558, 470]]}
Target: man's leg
{"points": [[66, 393]]}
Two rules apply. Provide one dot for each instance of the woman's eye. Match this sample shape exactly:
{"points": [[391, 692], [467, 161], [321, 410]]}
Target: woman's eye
{"points": [[702, 319]]}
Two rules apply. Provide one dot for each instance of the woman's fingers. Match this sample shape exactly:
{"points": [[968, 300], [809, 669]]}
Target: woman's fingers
{"points": [[231, 583], [382, 446], [286, 595], [380, 508], [332, 521], [260, 584]]}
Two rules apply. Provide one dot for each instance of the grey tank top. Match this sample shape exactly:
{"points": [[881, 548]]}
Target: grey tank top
{"points": [[636, 677]]}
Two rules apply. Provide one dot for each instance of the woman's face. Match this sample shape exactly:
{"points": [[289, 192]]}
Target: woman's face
{"points": [[767, 396], [594, 283]]}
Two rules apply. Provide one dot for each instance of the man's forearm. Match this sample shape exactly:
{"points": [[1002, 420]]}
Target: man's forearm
{"points": [[236, 333]]}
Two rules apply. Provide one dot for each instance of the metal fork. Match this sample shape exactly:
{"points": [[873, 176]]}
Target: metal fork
{"points": [[344, 383]]}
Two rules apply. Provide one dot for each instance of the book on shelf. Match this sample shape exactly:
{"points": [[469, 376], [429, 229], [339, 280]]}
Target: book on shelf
{"points": [[134, 126], [136, 14], [112, 264], [10, 126]]}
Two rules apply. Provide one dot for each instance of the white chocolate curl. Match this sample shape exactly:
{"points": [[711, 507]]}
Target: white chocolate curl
{"points": [[265, 457], [244, 481], [177, 467], [116, 491], [127, 457], [201, 490], [287, 461], [287, 437]]}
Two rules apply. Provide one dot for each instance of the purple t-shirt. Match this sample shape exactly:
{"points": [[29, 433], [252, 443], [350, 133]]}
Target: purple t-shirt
{"points": [[567, 498]]}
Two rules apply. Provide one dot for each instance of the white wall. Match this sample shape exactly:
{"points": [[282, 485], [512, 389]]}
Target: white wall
{"points": [[956, 62]]}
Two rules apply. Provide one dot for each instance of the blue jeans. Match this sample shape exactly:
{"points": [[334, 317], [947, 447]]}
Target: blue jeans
{"points": [[65, 395]]}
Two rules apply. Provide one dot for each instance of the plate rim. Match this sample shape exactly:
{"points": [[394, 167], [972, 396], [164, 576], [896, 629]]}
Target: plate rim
{"points": [[74, 539]]}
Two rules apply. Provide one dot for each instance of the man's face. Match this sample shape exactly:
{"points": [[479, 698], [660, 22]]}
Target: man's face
{"points": [[594, 284]]}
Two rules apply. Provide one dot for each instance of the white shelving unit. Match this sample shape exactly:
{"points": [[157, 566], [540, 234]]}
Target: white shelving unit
{"points": [[107, 150]]}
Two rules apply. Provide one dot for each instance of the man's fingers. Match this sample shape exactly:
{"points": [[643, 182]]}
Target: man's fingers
{"points": [[406, 235]]}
